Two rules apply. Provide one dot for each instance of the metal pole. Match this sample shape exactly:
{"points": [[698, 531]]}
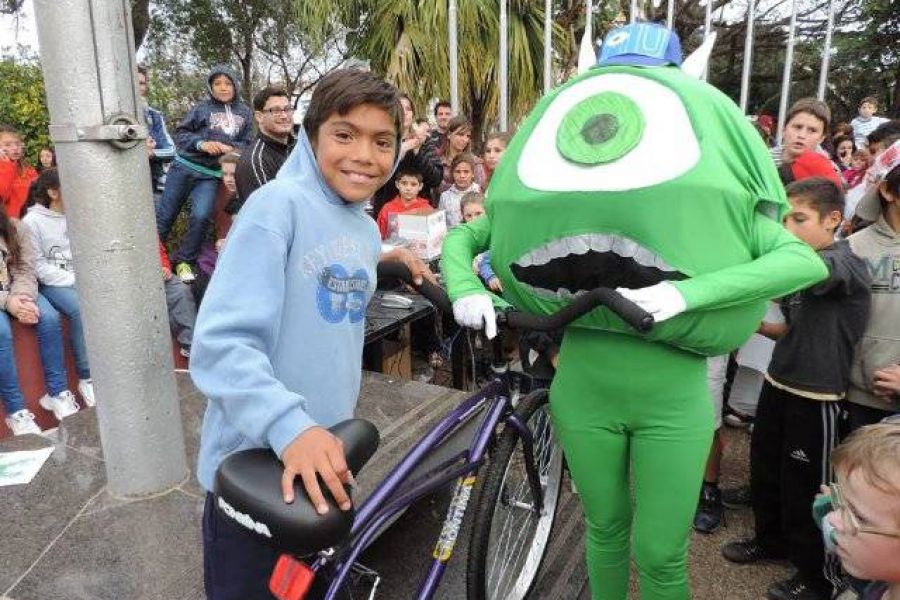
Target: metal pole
{"points": [[786, 78], [707, 31], [87, 55], [634, 10], [748, 55], [548, 45], [454, 59], [504, 65], [589, 24], [826, 52], [670, 14]]}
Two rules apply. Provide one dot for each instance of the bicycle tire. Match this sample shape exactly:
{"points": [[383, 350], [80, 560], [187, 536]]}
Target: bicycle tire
{"points": [[486, 577]]}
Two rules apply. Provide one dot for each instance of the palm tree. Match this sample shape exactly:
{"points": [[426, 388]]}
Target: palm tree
{"points": [[407, 42]]}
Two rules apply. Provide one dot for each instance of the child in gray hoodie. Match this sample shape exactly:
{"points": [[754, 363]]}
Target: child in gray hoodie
{"points": [[55, 272]]}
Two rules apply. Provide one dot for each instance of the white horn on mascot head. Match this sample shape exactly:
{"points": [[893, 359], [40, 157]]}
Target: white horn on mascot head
{"points": [[587, 56], [695, 64]]}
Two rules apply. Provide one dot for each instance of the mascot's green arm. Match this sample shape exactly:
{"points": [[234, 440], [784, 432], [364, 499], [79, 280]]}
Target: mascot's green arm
{"points": [[462, 244], [784, 264]]}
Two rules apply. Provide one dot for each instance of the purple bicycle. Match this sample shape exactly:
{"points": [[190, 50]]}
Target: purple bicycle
{"points": [[516, 504]]}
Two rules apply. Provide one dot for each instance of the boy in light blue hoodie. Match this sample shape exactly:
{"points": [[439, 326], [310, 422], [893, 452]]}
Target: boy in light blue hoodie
{"points": [[290, 288]]}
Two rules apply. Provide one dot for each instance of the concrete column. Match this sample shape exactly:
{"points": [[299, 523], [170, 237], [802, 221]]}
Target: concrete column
{"points": [[87, 55]]}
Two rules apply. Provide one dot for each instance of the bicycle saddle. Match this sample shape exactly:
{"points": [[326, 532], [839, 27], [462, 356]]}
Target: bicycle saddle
{"points": [[248, 491]]}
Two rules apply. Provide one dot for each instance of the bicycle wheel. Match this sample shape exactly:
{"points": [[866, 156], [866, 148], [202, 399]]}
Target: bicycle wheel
{"points": [[509, 538]]}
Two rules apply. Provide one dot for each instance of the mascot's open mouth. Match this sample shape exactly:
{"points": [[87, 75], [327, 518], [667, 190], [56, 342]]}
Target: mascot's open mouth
{"points": [[560, 269]]}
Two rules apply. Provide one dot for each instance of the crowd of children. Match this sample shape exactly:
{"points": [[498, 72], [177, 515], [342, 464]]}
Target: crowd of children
{"points": [[834, 367]]}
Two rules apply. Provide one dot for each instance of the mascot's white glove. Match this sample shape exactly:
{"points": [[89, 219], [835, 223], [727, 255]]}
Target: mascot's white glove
{"points": [[475, 311], [662, 300]]}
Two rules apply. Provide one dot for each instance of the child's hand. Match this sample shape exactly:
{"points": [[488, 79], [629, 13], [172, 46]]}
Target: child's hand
{"points": [[23, 309], [167, 273], [418, 269], [495, 285], [317, 451], [215, 148], [887, 381]]}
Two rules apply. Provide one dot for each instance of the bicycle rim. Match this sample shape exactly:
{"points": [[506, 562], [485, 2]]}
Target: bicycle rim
{"points": [[519, 536]]}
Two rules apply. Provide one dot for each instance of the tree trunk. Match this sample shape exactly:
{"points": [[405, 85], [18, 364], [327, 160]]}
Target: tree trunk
{"points": [[140, 20]]}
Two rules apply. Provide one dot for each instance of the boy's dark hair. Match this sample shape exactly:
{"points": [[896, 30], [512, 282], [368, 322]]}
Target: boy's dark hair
{"points": [[263, 95], [409, 172], [838, 140], [871, 100], [5, 128], [420, 120], [820, 193], [501, 136], [892, 180], [464, 157], [142, 70], [230, 158], [881, 133], [38, 193], [441, 104], [811, 106], [471, 198], [343, 90], [458, 122]]}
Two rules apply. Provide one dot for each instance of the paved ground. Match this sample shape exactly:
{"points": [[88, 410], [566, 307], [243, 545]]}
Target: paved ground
{"points": [[65, 537]]}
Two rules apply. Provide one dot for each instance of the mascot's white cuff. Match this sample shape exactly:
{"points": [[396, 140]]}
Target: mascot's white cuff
{"points": [[476, 311], [662, 300]]}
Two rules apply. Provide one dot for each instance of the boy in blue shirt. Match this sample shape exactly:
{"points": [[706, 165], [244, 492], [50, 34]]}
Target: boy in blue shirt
{"points": [[278, 342]]}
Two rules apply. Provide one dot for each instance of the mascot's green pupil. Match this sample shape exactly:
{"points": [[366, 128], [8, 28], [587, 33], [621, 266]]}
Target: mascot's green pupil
{"points": [[600, 129]]}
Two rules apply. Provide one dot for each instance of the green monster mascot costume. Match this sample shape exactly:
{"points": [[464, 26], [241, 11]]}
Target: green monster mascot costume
{"points": [[638, 176]]}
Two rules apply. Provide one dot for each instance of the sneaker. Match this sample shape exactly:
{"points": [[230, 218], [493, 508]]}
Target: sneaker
{"points": [[738, 497], [738, 420], [185, 351], [22, 422], [86, 389], [185, 272], [748, 551], [62, 405], [795, 588], [710, 512]]}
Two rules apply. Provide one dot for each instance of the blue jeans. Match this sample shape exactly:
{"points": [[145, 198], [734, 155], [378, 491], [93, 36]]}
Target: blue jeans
{"points": [[182, 182], [50, 344], [65, 300]]}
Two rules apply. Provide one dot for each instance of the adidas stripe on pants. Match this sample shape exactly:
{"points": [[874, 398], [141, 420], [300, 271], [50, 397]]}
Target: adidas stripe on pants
{"points": [[790, 457]]}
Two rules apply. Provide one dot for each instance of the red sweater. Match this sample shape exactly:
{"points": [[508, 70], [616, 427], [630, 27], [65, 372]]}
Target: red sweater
{"points": [[14, 185], [397, 206]]}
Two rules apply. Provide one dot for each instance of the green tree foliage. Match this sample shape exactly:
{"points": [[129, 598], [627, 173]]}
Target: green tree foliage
{"points": [[23, 104]]}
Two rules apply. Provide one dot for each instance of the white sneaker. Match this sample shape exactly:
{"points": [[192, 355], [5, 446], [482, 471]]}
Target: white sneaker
{"points": [[22, 422], [62, 405], [86, 389]]}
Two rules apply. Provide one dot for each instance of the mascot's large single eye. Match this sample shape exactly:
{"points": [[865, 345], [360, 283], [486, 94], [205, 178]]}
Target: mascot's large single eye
{"points": [[609, 132], [601, 129]]}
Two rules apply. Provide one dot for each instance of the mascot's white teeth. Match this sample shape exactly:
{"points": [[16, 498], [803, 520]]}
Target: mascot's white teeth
{"points": [[598, 242]]}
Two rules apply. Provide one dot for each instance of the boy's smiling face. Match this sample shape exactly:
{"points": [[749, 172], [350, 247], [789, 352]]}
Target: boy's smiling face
{"points": [[356, 151], [222, 88]]}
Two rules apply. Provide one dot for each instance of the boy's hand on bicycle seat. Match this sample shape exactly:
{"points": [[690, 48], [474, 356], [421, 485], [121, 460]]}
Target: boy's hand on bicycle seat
{"points": [[476, 311], [317, 451]]}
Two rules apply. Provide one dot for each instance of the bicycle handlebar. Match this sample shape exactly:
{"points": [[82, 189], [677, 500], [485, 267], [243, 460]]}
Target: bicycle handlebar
{"points": [[584, 303]]}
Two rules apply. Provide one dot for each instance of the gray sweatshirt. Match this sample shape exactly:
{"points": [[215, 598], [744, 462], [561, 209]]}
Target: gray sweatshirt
{"points": [[50, 240], [879, 246]]}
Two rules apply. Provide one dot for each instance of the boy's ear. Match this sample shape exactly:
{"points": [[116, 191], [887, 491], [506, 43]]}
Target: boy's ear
{"points": [[833, 220]]}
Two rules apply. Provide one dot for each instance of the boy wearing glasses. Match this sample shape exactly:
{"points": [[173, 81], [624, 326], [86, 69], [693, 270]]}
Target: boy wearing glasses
{"points": [[799, 406], [863, 527], [259, 164]]}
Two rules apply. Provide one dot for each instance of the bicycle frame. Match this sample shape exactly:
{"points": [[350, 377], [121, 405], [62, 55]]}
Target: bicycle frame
{"points": [[384, 502]]}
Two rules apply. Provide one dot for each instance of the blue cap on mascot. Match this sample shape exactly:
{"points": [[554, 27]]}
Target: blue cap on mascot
{"points": [[642, 45]]}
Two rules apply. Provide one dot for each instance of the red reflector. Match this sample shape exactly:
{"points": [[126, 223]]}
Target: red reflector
{"points": [[291, 578]]}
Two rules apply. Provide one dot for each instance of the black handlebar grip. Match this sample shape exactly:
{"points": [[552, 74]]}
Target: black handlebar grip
{"points": [[434, 293], [628, 311]]}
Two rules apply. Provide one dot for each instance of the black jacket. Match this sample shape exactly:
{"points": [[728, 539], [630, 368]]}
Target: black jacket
{"points": [[259, 164], [825, 322]]}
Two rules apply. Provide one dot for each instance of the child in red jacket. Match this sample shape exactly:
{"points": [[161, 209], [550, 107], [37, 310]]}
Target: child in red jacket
{"points": [[409, 184]]}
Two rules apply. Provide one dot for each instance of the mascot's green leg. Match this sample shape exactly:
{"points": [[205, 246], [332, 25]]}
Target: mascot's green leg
{"points": [[623, 405]]}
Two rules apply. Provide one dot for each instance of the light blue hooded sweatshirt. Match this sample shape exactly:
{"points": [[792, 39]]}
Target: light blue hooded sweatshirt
{"points": [[279, 337]]}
